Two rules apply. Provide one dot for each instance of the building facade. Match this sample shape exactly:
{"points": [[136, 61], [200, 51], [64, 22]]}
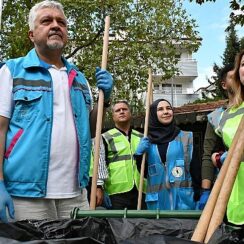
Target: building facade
{"points": [[179, 89]]}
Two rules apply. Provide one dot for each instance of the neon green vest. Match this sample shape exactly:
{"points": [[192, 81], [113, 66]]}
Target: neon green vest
{"points": [[227, 128], [123, 173], [91, 164]]}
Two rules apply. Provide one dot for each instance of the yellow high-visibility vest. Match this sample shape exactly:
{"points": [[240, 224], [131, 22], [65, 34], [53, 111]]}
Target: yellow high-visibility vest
{"points": [[227, 128], [123, 173]]}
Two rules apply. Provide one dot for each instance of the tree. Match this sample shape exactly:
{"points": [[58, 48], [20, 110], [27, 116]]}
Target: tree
{"points": [[236, 16], [144, 32], [233, 46], [242, 43]]}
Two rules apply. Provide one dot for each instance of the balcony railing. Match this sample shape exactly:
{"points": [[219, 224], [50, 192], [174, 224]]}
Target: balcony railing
{"points": [[188, 67], [177, 99]]}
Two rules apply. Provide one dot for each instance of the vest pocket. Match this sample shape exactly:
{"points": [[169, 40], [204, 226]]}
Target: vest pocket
{"points": [[152, 170], [26, 104], [185, 199], [152, 200], [118, 173]]}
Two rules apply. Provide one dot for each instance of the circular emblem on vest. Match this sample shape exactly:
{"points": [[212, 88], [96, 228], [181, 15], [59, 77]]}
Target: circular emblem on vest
{"points": [[177, 171]]}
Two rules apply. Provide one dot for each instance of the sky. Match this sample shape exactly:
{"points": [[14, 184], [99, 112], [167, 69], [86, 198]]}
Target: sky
{"points": [[212, 19]]}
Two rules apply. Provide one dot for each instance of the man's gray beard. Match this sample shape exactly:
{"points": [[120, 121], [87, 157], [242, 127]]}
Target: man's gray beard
{"points": [[55, 45]]}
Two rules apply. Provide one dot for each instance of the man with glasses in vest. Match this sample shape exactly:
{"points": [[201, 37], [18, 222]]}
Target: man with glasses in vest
{"points": [[124, 171], [45, 140]]}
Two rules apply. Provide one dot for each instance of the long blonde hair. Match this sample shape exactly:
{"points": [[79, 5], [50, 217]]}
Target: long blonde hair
{"points": [[238, 87]]}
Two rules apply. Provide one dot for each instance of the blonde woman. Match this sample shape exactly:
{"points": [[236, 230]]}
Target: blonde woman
{"points": [[227, 128]]}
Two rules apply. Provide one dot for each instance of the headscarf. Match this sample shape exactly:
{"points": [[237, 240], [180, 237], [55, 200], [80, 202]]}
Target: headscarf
{"points": [[157, 132]]}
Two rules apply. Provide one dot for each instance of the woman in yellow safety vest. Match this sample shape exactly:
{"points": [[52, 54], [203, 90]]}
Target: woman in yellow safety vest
{"points": [[228, 125]]}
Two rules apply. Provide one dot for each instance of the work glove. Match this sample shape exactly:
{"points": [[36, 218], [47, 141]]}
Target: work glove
{"points": [[204, 198], [104, 82], [106, 201], [143, 146], [223, 157], [5, 202]]}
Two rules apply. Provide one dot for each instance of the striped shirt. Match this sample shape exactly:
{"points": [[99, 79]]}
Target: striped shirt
{"points": [[102, 167]]}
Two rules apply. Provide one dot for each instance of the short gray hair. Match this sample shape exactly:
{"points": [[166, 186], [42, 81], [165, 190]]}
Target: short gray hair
{"points": [[121, 101], [41, 5]]}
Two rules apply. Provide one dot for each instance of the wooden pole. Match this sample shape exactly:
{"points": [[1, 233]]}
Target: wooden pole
{"points": [[99, 117], [149, 91], [151, 97], [202, 226], [226, 189], [1, 9]]}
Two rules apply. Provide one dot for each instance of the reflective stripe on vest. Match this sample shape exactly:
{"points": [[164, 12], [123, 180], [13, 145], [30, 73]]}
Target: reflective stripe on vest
{"points": [[123, 173], [163, 185], [214, 117], [229, 118]]}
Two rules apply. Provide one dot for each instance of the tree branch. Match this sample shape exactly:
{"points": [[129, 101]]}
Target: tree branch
{"points": [[86, 45]]}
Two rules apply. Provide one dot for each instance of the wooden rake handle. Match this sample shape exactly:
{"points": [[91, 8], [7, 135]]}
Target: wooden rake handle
{"points": [[149, 97], [99, 117], [227, 186], [203, 223]]}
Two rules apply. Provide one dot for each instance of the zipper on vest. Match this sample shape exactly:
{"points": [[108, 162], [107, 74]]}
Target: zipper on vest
{"points": [[167, 183], [71, 77], [50, 134], [133, 162]]}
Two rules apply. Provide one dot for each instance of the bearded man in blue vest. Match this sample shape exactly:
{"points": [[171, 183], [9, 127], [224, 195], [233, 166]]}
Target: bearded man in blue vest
{"points": [[45, 103], [120, 146]]}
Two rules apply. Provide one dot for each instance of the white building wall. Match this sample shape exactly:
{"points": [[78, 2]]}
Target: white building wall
{"points": [[178, 90]]}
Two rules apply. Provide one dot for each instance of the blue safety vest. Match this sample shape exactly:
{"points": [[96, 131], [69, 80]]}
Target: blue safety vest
{"points": [[169, 184], [29, 135]]}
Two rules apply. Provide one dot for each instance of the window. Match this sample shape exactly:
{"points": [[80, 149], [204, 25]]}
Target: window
{"points": [[178, 89], [167, 88], [156, 87]]}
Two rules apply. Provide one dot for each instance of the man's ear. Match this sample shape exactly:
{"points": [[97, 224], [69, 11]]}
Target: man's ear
{"points": [[223, 84], [31, 36]]}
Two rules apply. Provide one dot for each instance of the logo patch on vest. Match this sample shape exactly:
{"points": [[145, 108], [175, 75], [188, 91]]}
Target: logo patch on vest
{"points": [[177, 172]]}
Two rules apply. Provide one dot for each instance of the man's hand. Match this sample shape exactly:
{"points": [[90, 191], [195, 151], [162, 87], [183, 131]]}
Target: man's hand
{"points": [[104, 82], [106, 201], [5, 202], [99, 197]]}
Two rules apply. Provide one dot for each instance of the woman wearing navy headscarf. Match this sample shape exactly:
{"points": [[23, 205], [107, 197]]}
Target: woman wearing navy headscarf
{"points": [[169, 158]]}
